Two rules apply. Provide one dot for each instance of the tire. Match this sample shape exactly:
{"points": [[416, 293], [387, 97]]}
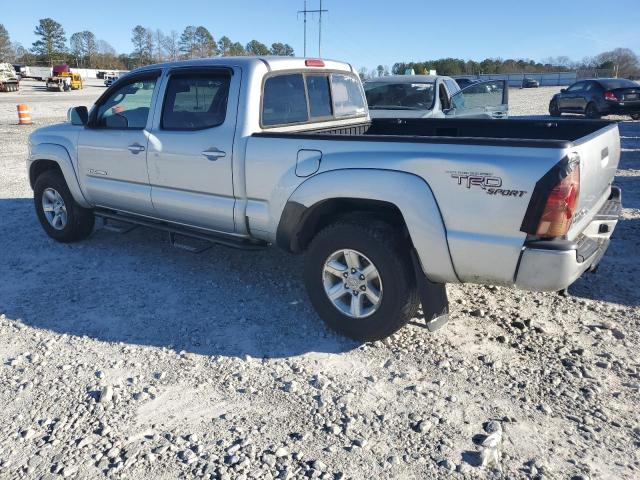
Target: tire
{"points": [[554, 110], [78, 221], [378, 244], [635, 116], [591, 111]]}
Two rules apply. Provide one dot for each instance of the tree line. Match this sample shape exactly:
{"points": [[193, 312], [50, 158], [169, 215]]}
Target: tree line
{"points": [[84, 50], [622, 61]]}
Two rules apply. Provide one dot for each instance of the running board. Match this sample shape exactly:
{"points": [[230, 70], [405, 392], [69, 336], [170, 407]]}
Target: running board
{"points": [[178, 231]]}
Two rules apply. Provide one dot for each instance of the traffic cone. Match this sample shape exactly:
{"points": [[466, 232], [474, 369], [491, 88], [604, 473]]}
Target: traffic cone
{"points": [[24, 116]]}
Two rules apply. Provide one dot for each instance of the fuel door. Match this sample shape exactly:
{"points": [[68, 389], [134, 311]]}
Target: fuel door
{"points": [[308, 162]]}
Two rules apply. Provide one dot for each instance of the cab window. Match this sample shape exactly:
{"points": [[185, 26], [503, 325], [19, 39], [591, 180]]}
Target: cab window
{"points": [[284, 100], [128, 106]]}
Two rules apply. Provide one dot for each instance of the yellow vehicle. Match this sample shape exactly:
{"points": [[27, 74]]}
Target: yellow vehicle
{"points": [[65, 81]]}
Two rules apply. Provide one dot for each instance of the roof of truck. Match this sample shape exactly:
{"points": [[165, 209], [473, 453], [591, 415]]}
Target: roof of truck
{"points": [[271, 62]]}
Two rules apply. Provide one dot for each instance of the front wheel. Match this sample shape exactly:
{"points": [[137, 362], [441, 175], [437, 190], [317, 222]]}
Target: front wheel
{"points": [[360, 280], [635, 116], [59, 214], [592, 111], [554, 109]]}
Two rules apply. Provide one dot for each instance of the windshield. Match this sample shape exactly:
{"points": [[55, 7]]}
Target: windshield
{"points": [[399, 96]]}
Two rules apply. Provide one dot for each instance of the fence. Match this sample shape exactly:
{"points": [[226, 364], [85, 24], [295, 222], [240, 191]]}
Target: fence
{"points": [[545, 79]]}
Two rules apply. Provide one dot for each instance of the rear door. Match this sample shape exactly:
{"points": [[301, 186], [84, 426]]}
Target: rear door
{"points": [[489, 99], [191, 147], [112, 148]]}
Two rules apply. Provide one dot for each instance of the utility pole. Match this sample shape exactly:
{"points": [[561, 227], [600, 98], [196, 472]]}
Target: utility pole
{"points": [[319, 11]]}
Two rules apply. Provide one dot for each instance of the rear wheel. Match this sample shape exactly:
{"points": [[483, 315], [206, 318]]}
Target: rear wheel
{"points": [[360, 280], [554, 109], [59, 214], [592, 111]]}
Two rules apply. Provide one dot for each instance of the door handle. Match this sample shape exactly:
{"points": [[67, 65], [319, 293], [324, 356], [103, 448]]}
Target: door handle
{"points": [[214, 154], [135, 148]]}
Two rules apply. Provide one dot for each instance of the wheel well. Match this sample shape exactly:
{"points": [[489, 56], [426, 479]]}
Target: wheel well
{"points": [[300, 224], [39, 167]]}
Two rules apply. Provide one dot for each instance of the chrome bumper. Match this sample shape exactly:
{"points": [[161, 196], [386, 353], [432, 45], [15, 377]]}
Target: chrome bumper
{"points": [[552, 265]]}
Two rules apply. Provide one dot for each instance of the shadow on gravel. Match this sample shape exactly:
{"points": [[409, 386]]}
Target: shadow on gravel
{"points": [[135, 288]]}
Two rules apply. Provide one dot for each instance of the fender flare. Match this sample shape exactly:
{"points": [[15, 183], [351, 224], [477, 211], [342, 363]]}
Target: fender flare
{"points": [[59, 155], [409, 193]]}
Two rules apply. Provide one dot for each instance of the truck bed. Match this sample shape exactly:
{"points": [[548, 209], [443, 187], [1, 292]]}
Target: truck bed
{"points": [[509, 132]]}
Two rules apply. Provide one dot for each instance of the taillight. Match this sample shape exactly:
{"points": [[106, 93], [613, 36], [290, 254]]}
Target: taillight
{"points": [[561, 205], [314, 62], [610, 96]]}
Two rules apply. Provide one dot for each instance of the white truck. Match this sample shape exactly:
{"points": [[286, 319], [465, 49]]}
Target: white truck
{"points": [[249, 152]]}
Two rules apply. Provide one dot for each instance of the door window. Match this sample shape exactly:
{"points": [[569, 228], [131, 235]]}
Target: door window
{"points": [[195, 101], [128, 106], [484, 94]]}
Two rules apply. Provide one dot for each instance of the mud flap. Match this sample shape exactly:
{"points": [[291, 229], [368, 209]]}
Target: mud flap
{"points": [[433, 296]]}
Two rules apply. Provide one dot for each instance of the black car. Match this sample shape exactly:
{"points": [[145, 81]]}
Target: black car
{"points": [[530, 83], [597, 97]]}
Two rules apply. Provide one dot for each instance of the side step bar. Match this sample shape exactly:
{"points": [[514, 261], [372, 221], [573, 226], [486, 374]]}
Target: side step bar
{"points": [[177, 231]]}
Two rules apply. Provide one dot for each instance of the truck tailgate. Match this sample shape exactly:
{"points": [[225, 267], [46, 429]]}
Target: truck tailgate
{"points": [[599, 155]]}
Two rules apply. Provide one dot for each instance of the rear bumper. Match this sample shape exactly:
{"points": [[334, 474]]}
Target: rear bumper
{"points": [[552, 265], [626, 108]]}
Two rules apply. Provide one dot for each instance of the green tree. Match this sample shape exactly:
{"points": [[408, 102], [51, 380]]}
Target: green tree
{"points": [[52, 39], [224, 46], [187, 42], [282, 49], [6, 50], [205, 45], [142, 39], [236, 49], [254, 47]]}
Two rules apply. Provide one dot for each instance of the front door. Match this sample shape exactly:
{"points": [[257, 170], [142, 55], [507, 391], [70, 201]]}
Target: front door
{"points": [[112, 148], [191, 148], [488, 99], [568, 101]]}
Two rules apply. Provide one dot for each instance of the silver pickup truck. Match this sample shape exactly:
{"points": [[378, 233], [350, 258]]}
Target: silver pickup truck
{"points": [[249, 152]]}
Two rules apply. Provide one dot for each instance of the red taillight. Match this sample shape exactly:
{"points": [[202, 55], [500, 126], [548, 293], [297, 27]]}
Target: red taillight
{"points": [[610, 96], [314, 62], [561, 205]]}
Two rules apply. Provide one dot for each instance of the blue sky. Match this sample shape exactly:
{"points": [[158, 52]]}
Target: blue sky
{"points": [[366, 33]]}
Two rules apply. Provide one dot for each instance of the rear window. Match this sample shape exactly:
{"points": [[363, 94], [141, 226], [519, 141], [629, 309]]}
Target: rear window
{"points": [[347, 96], [195, 101], [618, 83], [307, 97]]}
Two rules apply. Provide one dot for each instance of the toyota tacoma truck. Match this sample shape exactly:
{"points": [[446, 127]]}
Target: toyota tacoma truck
{"points": [[254, 151]]}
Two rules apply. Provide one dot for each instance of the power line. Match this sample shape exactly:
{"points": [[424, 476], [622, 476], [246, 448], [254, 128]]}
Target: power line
{"points": [[319, 11]]}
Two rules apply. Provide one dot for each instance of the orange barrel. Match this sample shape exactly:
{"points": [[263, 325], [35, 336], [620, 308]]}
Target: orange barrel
{"points": [[24, 116]]}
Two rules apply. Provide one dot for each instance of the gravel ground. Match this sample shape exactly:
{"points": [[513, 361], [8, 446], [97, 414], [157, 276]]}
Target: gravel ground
{"points": [[124, 358]]}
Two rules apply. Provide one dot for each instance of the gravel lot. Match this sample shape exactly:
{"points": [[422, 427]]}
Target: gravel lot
{"points": [[125, 358]]}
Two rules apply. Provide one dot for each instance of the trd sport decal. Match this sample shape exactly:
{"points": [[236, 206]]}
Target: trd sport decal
{"points": [[491, 184]]}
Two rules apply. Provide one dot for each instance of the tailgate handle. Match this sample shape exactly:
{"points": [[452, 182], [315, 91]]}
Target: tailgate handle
{"points": [[604, 157]]}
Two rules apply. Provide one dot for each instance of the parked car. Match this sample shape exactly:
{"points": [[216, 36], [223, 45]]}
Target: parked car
{"points": [[252, 151], [597, 97], [109, 79], [530, 83], [435, 96]]}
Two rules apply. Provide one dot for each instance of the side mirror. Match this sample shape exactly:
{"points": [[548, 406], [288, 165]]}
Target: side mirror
{"points": [[78, 115], [563, 90]]}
